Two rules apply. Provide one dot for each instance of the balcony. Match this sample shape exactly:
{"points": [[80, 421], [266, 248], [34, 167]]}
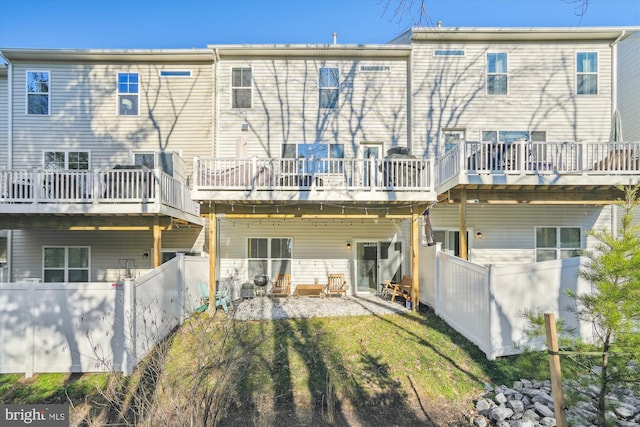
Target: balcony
{"points": [[525, 163], [126, 190], [316, 179]]}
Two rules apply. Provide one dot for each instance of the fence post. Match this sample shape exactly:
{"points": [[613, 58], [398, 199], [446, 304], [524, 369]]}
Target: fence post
{"points": [[490, 302], [129, 311], [554, 368], [438, 277], [31, 330], [181, 285]]}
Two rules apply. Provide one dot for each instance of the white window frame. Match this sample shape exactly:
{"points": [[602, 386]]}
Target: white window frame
{"points": [[66, 267], [328, 88], [269, 258], [558, 245], [242, 87], [66, 158], [588, 73], [121, 95], [47, 93], [450, 53], [489, 74]]}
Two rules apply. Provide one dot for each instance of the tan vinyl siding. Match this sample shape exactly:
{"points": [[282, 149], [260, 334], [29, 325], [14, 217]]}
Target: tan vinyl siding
{"points": [[175, 113], [319, 247], [508, 232], [109, 250], [4, 117], [629, 87], [449, 92], [285, 106]]}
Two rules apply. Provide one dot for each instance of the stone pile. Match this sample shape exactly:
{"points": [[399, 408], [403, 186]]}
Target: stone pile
{"points": [[530, 404]]}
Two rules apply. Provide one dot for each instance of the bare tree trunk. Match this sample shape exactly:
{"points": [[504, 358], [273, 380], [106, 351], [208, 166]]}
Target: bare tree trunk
{"points": [[603, 382]]}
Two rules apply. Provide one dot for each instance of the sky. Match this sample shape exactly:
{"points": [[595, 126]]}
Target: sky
{"points": [[169, 24]]}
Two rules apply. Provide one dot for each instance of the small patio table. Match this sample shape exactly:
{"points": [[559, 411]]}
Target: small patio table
{"points": [[315, 289]]}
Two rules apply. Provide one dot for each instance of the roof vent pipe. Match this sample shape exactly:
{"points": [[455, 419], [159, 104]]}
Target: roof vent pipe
{"points": [[439, 24], [335, 38]]}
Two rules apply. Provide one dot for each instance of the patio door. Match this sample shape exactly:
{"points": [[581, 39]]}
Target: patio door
{"points": [[371, 153], [377, 261]]}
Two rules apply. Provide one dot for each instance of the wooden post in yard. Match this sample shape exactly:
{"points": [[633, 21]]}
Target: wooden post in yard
{"points": [[157, 243], [554, 368], [462, 213]]}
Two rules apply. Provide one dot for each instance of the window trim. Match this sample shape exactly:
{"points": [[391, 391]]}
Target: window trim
{"points": [[27, 93], [583, 73], [249, 88], [488, 74], [119, 94], [66, 157], [66, 263], [558, 246], [326, 88]]}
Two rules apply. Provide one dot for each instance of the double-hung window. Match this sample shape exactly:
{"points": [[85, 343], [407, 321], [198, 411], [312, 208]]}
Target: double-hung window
{"points": [[557, 242], [241, 88], [128, 91], [270, 256], [497, 73], [66, 264], [329, 80], [68, 160], [38, 92], [587, 73]]}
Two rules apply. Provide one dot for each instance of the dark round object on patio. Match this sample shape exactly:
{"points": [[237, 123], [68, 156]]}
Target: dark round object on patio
{"points": [[260, 280]]}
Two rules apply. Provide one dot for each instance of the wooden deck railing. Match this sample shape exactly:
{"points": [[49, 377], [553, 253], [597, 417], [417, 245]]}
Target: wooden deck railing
{"points": [[530, 158], [39, 186], [393, 174]]}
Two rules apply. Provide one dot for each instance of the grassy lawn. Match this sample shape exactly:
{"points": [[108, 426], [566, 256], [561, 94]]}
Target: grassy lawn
{"points": [[341, 370]]}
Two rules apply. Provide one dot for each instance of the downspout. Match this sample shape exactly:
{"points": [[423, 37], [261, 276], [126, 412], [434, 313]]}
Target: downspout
{"points": [[614, 71], [9, 155], [216, 100]]}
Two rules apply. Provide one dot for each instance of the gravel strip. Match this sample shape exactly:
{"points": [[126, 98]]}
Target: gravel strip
{"points": [[261, 308]]}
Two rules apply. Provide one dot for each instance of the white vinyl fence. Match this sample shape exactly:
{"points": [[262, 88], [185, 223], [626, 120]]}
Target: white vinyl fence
{"points": [[486, 304], [95, 327]]}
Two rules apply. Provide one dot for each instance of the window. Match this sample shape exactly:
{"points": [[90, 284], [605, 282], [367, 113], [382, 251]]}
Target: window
{"points": [[329, 90], [587, 73], [448, 52], [69, 160], [270, 256], [497, 73], [38, 92], [66, 264], [175, 73], [557, 243], [313, 153], [452, 138], [241, 88], [450, 241], [128, 89]]}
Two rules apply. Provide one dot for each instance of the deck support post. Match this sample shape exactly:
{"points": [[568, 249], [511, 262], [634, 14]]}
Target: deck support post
{"points": [[415, 261], [462, 213], [157, 243], [212, 260]]}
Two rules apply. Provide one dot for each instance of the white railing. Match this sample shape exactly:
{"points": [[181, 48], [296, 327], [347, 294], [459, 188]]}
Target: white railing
{"points": [[315, 173], [95, 186], [530, 158]]}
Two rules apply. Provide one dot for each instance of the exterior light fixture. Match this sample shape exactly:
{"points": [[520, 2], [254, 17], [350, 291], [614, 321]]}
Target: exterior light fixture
{"points": [[348, 245], [479, 235]]}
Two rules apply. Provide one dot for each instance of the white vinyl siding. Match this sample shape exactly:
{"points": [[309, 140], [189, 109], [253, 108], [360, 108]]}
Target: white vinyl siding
{"points": [[373, 106], [110, 251], [311, 257], [508, 231], [542, 93], [83, 98]]}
